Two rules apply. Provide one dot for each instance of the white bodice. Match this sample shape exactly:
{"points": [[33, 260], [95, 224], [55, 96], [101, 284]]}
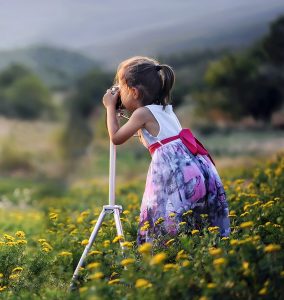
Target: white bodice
{"points": [[168, 123]]}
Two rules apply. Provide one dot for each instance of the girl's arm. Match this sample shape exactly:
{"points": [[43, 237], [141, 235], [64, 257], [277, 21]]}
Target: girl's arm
{"points": [[120, 135]]}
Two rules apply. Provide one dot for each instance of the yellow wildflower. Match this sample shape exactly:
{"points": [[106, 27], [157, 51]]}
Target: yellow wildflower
{"points": [[245, 265], [126, 212], [3, 288], [14, 276], [93, 265], [189, 212], [65, 253], [180, 255], [225, 238], [172, 215], [106, 243], [118, 238], [17, 269], [211, 285], [142, 283], [9, 237], [145, 248], [127, 244], [168, 267], [114, 281], [213, 229], [85, 242], [182, 223], [95, 252], [185, 263], [194, 231], [53, 216], [1, 275], [169, 242], [244, 214], [159, 221], [272, 248], [215, 251], [20, 234], [246, 224], [21, 242], [158, 258], [263, 291], [219, 261], [127, 261], [97, 275]]}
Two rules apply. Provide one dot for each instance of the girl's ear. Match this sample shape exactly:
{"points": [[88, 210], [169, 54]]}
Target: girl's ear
{"points": [[135, 92]]}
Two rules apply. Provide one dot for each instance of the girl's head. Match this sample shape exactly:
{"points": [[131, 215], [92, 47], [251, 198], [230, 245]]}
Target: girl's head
{"points": [[150, 82]]}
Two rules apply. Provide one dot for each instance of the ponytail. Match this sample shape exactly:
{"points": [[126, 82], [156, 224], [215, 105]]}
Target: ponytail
{"points": [[168, 79]]}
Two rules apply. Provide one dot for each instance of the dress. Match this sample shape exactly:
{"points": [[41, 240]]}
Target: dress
{"points": [[178, 181]]}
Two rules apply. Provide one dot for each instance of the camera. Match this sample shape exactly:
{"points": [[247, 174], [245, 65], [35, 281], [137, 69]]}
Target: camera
{"points": [[118, 105]]}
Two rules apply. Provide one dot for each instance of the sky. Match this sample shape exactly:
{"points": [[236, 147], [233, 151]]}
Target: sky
{"points": [[82, 24]]}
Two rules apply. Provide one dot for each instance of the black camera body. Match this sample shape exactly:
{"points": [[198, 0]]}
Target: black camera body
{"points": [[118, 105]]}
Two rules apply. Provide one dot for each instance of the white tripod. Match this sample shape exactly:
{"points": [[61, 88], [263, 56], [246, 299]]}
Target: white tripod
{"points": [[107, 209]]}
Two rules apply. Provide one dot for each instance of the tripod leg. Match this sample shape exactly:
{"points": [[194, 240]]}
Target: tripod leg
{"points": [[118, 225], [87, 248]]}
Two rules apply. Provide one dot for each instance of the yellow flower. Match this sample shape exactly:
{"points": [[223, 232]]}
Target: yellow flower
{"points": [[213, 229], [245, 265], [53, 216], [219, 261], [244, 214], [180, 255], [20, 234], [93, 265], [168, 267], [142, 283], [263, 291], [85, 242], [65, 253], [3, 288], [159, 221], [14, 276], [246, 224], [172, 215], [145, 248], [21, 242], [194, 231], [189, 212], [215, 251], [126, 212], [9, 237], [211, 285], [97, 275], [158, 258], [272, 248], [185, 263], [17, 269], [182, 223], [127, 261], [1, 275], [95, 252], [225, 238], [118, 238], [169, 242], [106, 243], [127, 244], [114, 281]]}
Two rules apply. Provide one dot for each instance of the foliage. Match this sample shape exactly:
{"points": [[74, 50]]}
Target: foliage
{"points": [[249, 82], [22, 94], [195, 264]]}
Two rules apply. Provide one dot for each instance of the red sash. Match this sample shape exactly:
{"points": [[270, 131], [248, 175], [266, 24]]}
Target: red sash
{"points": [[189, 140]]}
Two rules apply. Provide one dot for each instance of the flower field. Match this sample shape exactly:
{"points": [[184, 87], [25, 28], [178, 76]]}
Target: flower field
{"points": [[41, 244]]}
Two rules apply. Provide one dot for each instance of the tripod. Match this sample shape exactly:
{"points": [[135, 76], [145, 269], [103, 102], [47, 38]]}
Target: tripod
{"points": [[107, 209]]}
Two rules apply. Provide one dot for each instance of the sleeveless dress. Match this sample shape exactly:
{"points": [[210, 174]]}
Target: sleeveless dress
{"points": [[177, 182]]}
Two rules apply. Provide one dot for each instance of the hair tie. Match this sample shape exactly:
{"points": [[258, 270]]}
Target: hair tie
{"points": [[158, 68]]}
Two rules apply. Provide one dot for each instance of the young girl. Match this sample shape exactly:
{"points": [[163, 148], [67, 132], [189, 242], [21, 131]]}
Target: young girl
{"points": [[182, 179]]}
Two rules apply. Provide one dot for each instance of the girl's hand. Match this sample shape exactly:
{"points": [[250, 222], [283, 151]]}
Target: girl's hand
{"points": [[110, 98]]}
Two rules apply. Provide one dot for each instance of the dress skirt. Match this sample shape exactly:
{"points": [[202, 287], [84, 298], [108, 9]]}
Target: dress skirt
{"points": [[180, 183]]}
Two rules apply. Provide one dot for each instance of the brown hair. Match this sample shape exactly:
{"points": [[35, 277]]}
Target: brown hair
{"points": [[154, 81]]}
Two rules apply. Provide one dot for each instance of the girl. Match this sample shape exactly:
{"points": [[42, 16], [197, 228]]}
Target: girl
{"points": [[182, 179]]}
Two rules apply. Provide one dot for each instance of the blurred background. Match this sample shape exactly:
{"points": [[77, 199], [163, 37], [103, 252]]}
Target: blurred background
{"points": [[57, 58]]}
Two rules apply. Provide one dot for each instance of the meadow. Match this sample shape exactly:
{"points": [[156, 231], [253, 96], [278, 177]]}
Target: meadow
{"points": [[45, 223]]}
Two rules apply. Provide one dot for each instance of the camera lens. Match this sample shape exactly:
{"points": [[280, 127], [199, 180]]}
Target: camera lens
{"points": [[118, 103]]}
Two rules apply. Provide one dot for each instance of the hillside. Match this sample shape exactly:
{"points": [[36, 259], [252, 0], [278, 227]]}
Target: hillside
{"points": [[55, 66]]}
